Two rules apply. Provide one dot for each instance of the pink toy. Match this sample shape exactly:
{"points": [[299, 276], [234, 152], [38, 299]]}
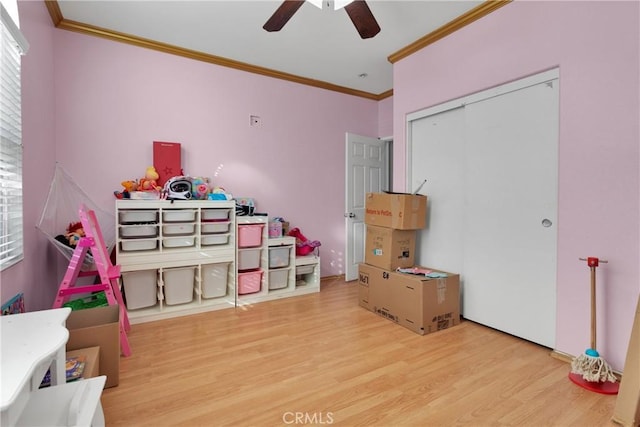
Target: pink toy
{"points": [[304, 246]]}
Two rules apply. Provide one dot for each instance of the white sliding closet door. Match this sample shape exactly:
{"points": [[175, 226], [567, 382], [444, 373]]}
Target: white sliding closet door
{"points": [[511, 194], [491, 168], [438, 156]]}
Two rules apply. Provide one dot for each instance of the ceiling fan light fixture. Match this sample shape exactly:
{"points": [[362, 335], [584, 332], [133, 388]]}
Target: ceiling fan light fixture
{"points": [[316, 3]]}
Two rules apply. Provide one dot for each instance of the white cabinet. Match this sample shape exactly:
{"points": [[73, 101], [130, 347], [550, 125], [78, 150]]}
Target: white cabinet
{"points": [[176, 257], [267, 266]]}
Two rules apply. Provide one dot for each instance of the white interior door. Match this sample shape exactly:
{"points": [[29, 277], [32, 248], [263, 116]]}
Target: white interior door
{"points": [[366, 171], [491, 168]]}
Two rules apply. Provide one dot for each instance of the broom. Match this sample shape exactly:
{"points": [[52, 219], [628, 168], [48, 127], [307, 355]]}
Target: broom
{"points": [[590, 370]]}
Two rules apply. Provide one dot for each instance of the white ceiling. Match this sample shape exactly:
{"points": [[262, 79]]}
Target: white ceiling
{"points": [[318, 44]]}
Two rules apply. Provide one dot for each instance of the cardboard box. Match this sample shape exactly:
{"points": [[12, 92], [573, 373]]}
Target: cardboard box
{"points": [[418, 303], [167, 160], [92, 363], [389, 248], [627, 409], [98, 327], [396, 210]]}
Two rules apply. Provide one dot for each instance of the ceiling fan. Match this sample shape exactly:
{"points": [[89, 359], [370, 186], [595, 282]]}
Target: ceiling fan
{"points": [[358, 11]]}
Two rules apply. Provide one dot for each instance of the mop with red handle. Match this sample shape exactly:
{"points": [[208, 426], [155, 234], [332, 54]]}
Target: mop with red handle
{"points": [[590, 370]]}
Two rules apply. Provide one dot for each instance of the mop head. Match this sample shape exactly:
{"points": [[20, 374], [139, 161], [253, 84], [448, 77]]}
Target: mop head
{"points": [[592, 367]]}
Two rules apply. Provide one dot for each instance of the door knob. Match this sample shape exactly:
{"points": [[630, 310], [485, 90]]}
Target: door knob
{"points": [[350, 215], [547, 223]]}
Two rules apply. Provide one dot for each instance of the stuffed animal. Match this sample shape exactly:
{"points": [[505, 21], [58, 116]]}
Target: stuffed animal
{"points": [[74, 233], [129, 186], [219, 193], [199, 188], [150, 180]]}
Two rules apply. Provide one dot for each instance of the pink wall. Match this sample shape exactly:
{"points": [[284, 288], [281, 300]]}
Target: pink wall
{"points": [[33, 275], [596, 45], [95, 106], [385, 117]]}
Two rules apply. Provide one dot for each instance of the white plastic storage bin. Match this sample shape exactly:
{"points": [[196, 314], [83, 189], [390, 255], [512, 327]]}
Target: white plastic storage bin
{"points": [[278, 279], [215, 214], [214, 239], [178, 229], [279, 257], [178, 242], [215, 227], [249, 282], [138, 245], [178, 284], [178, 215], [250, 235], [249, 259], [140, 288], [138, 216], [214, 280], [305, 269], [138, 231]]}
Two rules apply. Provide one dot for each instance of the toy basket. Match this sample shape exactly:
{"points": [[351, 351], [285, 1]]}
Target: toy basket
{"points": [[61, 208]]}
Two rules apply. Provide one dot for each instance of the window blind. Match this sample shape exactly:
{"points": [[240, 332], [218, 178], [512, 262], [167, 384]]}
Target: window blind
{"points": [[11, 225]]}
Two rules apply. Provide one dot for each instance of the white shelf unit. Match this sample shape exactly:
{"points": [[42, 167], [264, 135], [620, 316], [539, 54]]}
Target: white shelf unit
{"points": [[277, 265], [176, 257]]}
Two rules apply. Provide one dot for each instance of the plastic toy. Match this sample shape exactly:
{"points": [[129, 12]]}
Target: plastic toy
{"points": [[304, 246]]}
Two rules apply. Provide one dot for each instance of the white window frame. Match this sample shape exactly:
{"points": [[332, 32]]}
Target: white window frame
{"points": [[13, 45]]}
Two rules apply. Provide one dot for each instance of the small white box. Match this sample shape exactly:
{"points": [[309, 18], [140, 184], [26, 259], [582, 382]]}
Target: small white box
{"points": [[138, 245], [178, 284], [249, 259], [215, 227], [178, 229], [214, 239], [278, 279], [214, 280], [138, 216], [215, 214], [178, 242], [179, 215], [140, 288]]}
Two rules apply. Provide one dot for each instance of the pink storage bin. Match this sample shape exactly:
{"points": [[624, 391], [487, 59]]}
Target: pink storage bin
{"points": [[249, 282], [250, 235]]}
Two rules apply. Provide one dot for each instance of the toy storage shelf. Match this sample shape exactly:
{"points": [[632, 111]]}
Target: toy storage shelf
{"points": [[271, 260], [176, 257]]}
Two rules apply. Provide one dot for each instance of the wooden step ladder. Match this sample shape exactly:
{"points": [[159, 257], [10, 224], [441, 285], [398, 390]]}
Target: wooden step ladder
{"points": [[108, 274]]}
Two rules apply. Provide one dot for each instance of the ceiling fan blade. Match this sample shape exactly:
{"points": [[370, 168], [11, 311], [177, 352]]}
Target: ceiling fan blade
{"points": [[363, 19], [282, 15]]}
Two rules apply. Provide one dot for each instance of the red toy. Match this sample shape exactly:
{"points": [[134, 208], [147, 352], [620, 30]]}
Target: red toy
{"points": [[304, 246]]}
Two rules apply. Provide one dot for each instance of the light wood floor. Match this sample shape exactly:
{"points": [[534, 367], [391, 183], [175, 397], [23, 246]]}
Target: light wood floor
{"points": [[327, 361]]}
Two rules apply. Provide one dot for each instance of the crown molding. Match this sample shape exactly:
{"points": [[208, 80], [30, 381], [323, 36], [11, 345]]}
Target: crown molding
{"points": [[462, 21], [60, 22]]}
